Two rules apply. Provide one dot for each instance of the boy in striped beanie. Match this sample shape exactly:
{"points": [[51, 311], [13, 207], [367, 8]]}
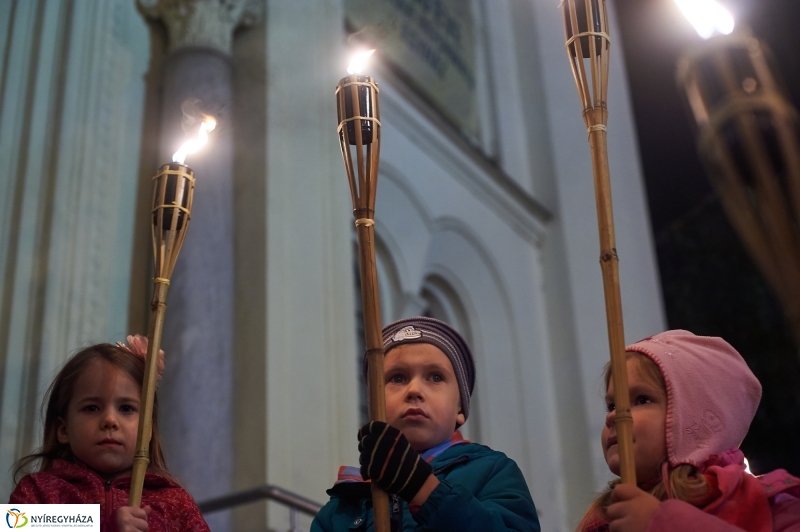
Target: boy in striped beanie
{"points": [[437, 480]]}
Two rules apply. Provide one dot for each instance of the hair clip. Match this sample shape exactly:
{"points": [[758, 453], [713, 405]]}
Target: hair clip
{"points": [[137, 345]]}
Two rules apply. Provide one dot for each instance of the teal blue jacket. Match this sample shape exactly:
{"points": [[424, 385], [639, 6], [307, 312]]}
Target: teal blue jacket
{"points": [[479, 489]]}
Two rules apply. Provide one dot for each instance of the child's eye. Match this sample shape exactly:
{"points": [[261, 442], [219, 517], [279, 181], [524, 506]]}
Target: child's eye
{"points": [[642, 400], [90, 408], [609, 407], [436, 377], [127, 409], [397, 378]]}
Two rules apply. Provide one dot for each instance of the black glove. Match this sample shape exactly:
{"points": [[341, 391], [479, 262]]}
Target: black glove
{"points": [[388, 459]]}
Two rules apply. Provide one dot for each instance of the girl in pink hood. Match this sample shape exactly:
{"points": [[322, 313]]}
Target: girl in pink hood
{"points": [[692, 401]]}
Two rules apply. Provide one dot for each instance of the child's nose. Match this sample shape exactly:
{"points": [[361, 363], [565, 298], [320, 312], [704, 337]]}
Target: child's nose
{"points": [[414, 389], [610, 417], [110, 420]]}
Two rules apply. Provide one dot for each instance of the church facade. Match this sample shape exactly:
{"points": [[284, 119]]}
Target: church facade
{"points": [[485, 218]]}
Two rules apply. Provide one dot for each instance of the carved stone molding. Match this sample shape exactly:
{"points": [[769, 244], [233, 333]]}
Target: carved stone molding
{"points": [[203, 22]]}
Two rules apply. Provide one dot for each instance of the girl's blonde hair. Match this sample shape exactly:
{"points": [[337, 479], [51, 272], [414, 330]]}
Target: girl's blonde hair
{"points": [[57, 399], [684, 482]]}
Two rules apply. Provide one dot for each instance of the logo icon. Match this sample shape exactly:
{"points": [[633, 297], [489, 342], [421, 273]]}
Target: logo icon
{"points": [[406, 333], [17, 516]]}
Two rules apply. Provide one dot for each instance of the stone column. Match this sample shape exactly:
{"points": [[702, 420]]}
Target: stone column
{"points": [[197, 390]]}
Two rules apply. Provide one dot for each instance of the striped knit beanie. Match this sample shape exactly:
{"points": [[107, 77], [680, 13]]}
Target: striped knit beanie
{"points": [[421, 329]]}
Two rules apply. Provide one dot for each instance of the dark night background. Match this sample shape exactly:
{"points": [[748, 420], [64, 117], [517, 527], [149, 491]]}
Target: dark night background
{"points": [[710, 285]]}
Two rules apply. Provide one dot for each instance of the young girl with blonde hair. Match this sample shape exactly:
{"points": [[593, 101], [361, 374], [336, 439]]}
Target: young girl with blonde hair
{"points": [[91, 422], [692, 401]]}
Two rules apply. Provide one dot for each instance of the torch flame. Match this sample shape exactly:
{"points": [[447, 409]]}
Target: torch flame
{"points": [[707, 16], [359, 61], [192, 145]]}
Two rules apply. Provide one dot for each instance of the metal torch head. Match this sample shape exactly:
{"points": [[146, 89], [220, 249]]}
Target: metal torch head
{"points": [[173, 191], [749, 139], [359, 130], [357, 98], [588, 42], [734, 92], [585, 23], [726, 71]]}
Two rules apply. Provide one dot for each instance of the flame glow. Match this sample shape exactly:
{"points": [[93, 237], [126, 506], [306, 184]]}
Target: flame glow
{"points": [[707, 16], [359, 61], [192, 145]]}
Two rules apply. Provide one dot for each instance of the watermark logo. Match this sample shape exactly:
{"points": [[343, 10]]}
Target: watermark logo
{"points": [[52, 517], [15, 518]]}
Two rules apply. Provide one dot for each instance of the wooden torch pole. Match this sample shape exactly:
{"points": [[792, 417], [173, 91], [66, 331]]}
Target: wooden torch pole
{"points": [[141, 458], [374, 344], [359, 139], [173, 191], [609, 264], [586, 28]]}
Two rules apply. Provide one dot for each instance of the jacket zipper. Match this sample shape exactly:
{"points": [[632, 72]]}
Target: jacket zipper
{"points": [[396, 520], [109, 501], [450, 465], [397, 516]]}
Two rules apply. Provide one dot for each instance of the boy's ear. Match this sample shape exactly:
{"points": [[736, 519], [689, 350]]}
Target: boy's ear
{"points": [[61, 431], [460, 418]]}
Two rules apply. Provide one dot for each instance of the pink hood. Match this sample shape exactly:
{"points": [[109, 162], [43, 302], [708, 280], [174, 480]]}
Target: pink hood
{"points": [[712, 395]]}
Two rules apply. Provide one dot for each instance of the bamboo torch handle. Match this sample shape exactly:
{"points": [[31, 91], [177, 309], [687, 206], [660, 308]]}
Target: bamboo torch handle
{"points": [[141, 457], [609, 263], [374, 343]]}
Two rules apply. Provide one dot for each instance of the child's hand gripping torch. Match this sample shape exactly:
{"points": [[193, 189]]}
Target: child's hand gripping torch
{"points": [[173, 189], [360, 141], [586, 27]]}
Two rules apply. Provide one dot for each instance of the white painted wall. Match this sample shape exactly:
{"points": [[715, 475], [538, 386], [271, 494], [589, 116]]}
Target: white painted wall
{"points": [[70, 126], [310, 382], [517, 243], [641, 296]]}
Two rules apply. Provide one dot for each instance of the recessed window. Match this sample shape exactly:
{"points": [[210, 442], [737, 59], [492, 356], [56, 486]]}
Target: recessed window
{"points": [[433, 46]]}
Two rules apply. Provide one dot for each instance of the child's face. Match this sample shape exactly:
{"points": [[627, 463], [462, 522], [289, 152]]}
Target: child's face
{"points": [[102, 419], [648, 409], [422, 398]]}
